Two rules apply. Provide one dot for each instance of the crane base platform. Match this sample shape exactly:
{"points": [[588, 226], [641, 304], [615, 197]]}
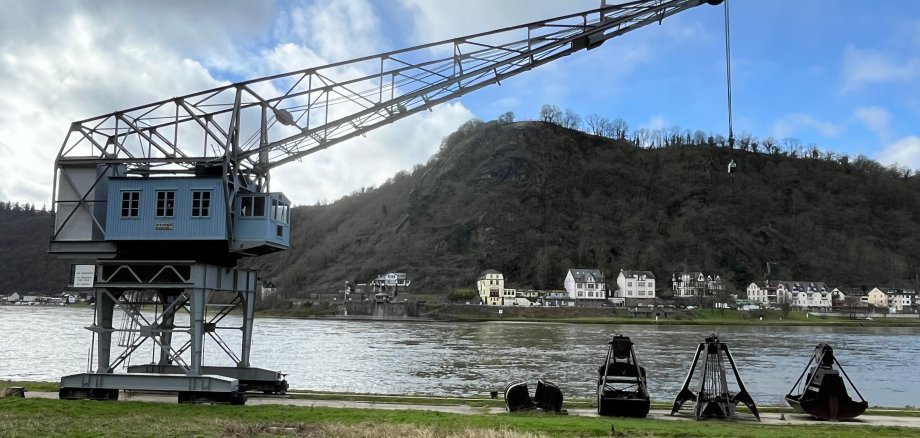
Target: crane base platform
{"points": [[203, 388], [250, 378]]}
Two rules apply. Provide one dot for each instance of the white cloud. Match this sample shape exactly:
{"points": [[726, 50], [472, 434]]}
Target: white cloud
{"points": [[370, 161], [89, 65], [791, 124], [656, 122], [71, 62], [863, 67], [876, 118], [338, 31], [904, 152], [441, 20]]}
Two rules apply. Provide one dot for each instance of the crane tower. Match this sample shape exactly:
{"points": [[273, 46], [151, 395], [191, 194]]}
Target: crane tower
{"points": [[159, 202]]}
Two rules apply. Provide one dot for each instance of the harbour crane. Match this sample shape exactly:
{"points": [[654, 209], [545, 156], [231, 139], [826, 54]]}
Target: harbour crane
{"points": [[156, 204]]}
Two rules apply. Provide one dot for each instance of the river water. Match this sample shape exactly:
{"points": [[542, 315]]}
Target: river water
{"points": [[471, 359]]}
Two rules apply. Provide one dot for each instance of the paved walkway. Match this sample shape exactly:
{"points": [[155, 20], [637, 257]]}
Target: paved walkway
{"points": [[772, 418]]}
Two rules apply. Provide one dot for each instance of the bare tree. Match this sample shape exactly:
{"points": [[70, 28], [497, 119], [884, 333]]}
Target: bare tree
{"points": [[506, 118], [699, 138], [643, 137], [672, 136], [620, 128], [570, 119], [596, 124], [746, 141], [770, 146], [550, 114], [793, 146]]}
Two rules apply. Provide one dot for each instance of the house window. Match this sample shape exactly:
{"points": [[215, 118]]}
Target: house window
{"points": [[590, 294], [629, 283], [641, 293], [641, 284], [581, 294], [201, 203], [252, 206], [130, 203], [590, 285], [166, 201], [629, 293]]}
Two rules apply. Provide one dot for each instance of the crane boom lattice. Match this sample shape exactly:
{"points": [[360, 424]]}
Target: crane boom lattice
{"points": [[253, 126]]}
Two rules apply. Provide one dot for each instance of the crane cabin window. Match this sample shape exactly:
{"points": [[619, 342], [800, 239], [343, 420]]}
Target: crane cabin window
{"points": [[252, 206], [201, 203], [279, 211], [130, 203], [166, 203]]}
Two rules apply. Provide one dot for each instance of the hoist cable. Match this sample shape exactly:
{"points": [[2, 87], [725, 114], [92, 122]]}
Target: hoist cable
{"points": [[728, 83], [728, 77]]}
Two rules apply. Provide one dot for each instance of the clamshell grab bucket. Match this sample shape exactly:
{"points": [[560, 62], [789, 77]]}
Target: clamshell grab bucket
{"points": [[824, 394], [622, 389]]}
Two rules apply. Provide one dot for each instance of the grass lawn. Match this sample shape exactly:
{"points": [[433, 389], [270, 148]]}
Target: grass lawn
{"points": [[41, 417]]}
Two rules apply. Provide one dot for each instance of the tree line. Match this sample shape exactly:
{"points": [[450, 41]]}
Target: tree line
{"points": [[675, 136]]}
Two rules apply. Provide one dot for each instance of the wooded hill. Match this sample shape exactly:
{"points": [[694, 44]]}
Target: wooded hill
{"points": [[25, 265], [533, 199]]}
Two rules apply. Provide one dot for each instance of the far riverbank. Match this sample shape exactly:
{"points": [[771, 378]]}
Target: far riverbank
{"points": [[619, 316]]}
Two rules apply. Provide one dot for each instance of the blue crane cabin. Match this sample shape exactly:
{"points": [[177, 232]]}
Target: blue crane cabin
{"points": [[261, 223], [183, 217]]}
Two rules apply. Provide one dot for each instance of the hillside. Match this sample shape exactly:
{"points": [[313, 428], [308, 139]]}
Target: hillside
{"points": [[534, 199], [25, 265]]}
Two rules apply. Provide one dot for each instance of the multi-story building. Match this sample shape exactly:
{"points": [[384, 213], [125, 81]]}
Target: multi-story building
{"points": [[696, 284], [585, 284], [800, 294], [492, 290], [896, 300], [491, 287], [764, 293], [635, 284]]}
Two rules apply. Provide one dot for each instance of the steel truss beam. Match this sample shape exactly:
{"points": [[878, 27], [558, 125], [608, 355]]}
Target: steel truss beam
{"points": [[173, 287], [253, 126]]}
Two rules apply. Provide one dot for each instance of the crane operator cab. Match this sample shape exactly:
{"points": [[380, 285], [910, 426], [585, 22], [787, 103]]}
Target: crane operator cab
{"points": [[166, 218]]}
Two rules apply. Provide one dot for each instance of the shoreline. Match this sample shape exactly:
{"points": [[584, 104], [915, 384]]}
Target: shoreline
{"points": [[835, 322], [820, 320]]}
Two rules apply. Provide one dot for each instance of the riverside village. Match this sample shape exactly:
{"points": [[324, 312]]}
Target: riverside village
{"points": [[632, 293]]}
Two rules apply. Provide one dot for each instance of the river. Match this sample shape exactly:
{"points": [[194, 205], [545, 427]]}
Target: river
{"points": [[471, 359]]}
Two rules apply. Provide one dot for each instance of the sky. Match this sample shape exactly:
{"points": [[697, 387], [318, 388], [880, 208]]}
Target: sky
{"points": [[841, 74]]}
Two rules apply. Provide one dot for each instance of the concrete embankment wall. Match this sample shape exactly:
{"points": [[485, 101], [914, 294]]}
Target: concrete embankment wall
{"points": [[464, 311], [384, 310]]}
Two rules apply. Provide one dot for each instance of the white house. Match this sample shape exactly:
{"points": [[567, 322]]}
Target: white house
{"points": [[268, 289], [896, 300], [877, 298], [492, 290], [390, 282], [764, 293], [799, 294], [695, 284], [557, 299], [585, 284], [635, 284]]}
